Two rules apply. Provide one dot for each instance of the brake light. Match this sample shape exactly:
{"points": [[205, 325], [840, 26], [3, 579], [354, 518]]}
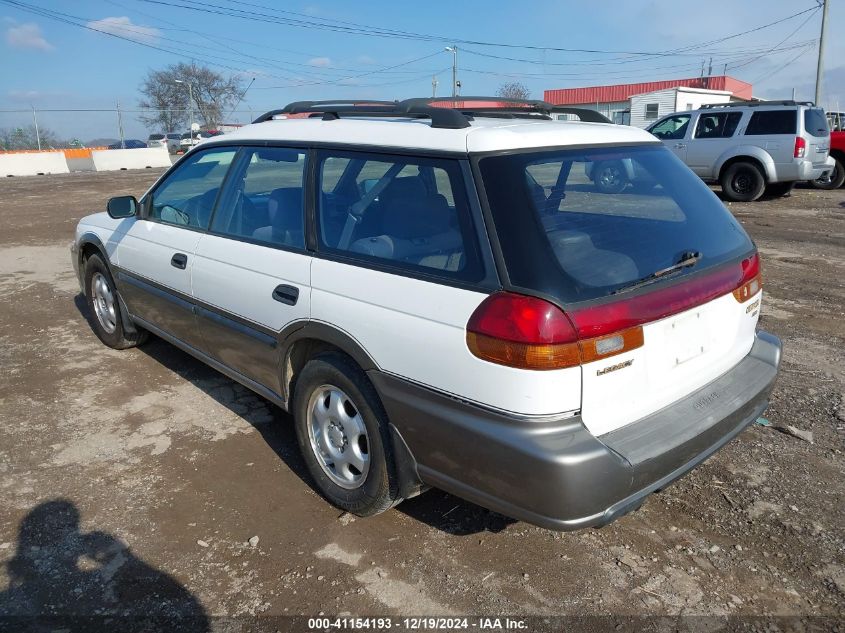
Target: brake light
{"points": [[752, 279], [800, 147], [532, 333]]}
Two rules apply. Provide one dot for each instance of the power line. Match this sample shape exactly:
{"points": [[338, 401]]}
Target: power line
{"points": [[372, 31]]}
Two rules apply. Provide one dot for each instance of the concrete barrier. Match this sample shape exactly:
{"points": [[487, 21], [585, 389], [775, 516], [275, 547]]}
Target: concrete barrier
{"points": [[142, 158], [33, 163]]}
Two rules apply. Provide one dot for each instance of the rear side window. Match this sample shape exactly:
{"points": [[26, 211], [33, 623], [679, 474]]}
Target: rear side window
{"points": [[815, 122], [406, 212], [265, 201], [772, 122], [717, 125], [585, 224]]}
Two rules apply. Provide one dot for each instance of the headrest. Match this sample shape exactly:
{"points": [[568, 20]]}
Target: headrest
{"points": [[285, 207], [403, 188], [409, 218]]}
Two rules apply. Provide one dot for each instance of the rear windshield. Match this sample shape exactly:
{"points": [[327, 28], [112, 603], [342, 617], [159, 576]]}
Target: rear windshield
{"points": [[585, 224], [773, 122], [815, 122], [156, 137], [173, 136]]}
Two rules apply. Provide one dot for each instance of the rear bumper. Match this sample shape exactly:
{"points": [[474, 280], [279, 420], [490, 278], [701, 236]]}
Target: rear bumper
{"points": [[553, 472], [803, 169]]}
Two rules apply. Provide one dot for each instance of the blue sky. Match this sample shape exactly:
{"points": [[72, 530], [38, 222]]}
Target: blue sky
{"points": [[54, 65]]}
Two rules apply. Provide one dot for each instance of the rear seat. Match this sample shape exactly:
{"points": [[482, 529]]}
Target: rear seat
{"points": [[415, 229]]}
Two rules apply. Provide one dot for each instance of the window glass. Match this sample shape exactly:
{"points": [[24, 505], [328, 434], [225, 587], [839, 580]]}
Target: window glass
{"points": [[674, 127], [772, 122], [651, 110], [265, 201], [717, 124], [815, 122], [412, 212], [187, 196], [552, 213]]}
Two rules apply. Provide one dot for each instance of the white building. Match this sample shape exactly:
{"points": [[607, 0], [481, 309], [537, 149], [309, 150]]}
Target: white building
{"points": [[646, 108]]}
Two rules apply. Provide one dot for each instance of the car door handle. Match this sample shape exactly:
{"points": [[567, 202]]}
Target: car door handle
{"points": [[680, 145], [286, 294], [179, 260]]}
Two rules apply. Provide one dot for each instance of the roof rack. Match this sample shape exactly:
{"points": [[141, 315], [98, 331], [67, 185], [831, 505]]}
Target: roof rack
{"points": [[754, 104], [442, 116]]}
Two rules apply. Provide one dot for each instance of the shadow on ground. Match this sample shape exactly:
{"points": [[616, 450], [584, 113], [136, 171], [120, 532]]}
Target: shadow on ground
{"points": [[435, 508], [63, 579]]}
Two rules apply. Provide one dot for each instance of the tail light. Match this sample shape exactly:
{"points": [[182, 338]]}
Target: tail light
{"points": [[531, 333], [800, 147], [752, 280]]}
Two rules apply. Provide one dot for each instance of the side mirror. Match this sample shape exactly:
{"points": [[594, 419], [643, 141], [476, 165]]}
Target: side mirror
{"points": [[122, 207]]}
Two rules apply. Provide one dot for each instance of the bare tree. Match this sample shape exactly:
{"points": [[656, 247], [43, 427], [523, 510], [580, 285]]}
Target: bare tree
{"points": [[514, 90], [168, 99]]}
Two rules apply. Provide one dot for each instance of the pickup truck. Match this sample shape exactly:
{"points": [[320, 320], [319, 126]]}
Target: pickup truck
{"points": [[837, 152]]}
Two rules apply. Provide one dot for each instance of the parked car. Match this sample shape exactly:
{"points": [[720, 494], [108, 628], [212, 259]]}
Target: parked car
{"points": [[132, 143], [750, 148], [836, 178], [187, 140], [157, 140], [440, 297]]}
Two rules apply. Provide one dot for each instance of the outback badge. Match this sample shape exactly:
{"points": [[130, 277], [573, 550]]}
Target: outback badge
{"points": [[610, 368]]}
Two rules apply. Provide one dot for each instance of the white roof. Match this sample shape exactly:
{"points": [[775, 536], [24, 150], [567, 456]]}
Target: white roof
{"points": [[483, 135]]}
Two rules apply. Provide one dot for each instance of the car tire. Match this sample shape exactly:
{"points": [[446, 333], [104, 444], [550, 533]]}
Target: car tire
{"points": [[743, 182], [836, 179], [609, 176], [779, 189], [104, 308], [342, 431]]}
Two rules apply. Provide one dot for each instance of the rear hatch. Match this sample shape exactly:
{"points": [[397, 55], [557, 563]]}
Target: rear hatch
{"points": [[659, 281], [817, 133]]}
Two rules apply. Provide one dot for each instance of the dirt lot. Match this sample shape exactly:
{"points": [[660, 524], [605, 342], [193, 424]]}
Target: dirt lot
{"points": [[131, 482]]}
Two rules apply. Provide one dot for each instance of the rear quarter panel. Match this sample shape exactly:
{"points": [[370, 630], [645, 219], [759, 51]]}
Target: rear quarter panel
{"points": [[417, 330]]}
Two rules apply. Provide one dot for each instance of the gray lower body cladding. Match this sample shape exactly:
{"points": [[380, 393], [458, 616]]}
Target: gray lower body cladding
{"points": [[554, 472]]}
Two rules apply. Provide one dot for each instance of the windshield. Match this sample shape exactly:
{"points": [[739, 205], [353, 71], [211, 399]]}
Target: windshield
{"points": [[584, 224]]}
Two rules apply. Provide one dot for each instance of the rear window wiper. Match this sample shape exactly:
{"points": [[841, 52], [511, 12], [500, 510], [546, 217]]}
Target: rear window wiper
{"points": [[689, 258]]}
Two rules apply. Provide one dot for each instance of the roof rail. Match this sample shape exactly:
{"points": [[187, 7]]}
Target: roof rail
{"points": [[442, 116], [754, 104]]}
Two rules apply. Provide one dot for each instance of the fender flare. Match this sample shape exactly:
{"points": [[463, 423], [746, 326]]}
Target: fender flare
{"points": [[745, 152], [90, 238], [320, 331]]}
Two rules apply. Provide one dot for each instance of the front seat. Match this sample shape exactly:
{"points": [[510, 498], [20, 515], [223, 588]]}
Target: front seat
{"points": [[284, 206]]}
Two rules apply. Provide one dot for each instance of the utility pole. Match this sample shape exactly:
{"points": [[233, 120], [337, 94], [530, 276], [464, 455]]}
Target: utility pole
{"points": [[434, 83], [37, 133], [120, 126], [710, 68], [454, 50], [820, 64], [190, 107]]}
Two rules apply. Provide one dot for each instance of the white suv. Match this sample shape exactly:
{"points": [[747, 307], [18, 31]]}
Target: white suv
{"points": [[440, 299]]}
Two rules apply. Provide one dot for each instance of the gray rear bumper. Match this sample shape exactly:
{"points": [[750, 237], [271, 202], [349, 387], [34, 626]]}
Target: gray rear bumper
{"points": [[553, 472]]}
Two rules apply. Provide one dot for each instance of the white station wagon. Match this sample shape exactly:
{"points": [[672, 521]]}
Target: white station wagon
{"points": [[441, 296]]}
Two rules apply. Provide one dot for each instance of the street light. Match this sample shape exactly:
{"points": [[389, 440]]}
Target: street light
{"points": [[190, 107], [454, 51]]}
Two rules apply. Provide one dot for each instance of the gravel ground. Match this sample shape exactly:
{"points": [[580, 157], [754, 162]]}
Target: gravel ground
{"points": [[143, 483]]}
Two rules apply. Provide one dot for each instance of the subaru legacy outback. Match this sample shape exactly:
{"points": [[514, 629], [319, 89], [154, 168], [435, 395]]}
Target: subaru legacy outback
{"points": [[440, 296]]}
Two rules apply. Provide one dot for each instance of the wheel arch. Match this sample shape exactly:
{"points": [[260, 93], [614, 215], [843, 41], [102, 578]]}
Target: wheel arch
{"points": [[759, 158], [314, 338], [91, 244]]}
